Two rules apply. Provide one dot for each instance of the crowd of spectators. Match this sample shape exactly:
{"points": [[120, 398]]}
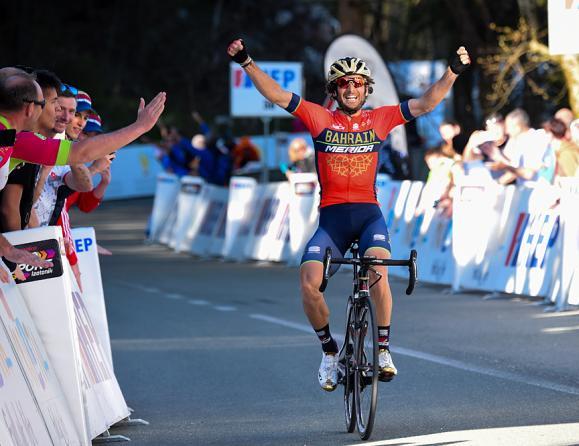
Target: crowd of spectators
{"points": [[507, 151], [49, 131]]}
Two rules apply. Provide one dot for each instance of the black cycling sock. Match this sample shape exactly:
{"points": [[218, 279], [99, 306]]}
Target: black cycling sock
{"points": [[384, 337], [329, 344]]}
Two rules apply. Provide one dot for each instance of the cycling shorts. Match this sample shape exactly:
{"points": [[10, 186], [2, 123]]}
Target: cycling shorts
{"points": [[342, 224]]}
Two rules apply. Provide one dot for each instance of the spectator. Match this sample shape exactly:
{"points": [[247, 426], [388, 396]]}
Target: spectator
{"points": [[440, 180], [565, 115], [454, 140], [93, 126], [527, 154], [178, 153], [566, 151], [301, 158], [476, 161], [16, 198], [244, 152]]}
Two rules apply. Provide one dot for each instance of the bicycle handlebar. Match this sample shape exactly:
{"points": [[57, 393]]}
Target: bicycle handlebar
{"points": [[410, 263]]}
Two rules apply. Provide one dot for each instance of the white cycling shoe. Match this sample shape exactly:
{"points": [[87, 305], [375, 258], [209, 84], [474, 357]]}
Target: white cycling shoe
{"points": [[386, 367], [328, 372]]}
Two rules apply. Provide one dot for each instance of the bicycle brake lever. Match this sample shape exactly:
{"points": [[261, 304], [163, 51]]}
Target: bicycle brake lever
{"points": [[412, 272], [326, 273]]}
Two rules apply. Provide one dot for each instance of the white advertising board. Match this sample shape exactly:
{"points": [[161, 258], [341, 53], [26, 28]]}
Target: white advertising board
{"points": [[563, 17], [29, 358], [85, 245], [246, 101]]}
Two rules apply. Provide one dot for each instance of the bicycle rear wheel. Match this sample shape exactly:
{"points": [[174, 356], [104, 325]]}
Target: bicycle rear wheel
{"points": [[366, 369], [348, 378]]}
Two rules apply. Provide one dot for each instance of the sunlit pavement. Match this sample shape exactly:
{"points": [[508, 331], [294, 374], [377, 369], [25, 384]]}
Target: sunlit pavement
{"points": [[215, 353]]}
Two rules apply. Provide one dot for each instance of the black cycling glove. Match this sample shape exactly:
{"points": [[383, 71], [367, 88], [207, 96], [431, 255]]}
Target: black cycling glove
{"points": [[456, 66], [242, 58]]}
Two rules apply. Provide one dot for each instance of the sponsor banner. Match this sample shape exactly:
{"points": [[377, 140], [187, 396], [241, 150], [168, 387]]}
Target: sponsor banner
{"points": [[480, 217], [243, 196], [529, 260], [85, 245], [101, 390], [52, 311], [20, 420], [271, 231], [24, 362], [134, 172], [399, 221], [168, 228], [246, 101], [191, 192], [304, 199], [209, 225], [563, 22], [218, 241], [47, 250], [569, 278], [165, 196]]}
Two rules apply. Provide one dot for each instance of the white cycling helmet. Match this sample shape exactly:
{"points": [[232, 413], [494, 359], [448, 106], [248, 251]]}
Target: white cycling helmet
{"points": [[349, 65]]}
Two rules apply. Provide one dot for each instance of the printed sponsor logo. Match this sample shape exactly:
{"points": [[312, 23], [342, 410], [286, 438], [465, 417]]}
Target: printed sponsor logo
{"points": [[83, 244], [338, 127], [314, 249], [46, 250], [379, 237], [191, 188], [533, 238], [305, 189], [347, 149]]}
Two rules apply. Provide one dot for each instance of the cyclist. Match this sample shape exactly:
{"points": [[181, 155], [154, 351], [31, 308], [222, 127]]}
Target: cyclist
{"points": [[346, 142]]}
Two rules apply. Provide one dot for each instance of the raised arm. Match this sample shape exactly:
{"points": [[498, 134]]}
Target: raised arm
{"points": [[269, 88], [438, 91], [98, 146]]}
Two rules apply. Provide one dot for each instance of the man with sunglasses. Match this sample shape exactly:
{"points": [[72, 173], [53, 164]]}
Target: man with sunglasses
{"points": [[346, 142]]}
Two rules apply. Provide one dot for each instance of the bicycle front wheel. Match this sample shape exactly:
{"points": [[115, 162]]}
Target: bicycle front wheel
{"points": [[348, 363], [366, 369]]}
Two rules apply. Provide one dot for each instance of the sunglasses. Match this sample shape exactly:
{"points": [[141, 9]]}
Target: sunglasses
{"points": [[343, 83], [66, 87], [35, 102]]}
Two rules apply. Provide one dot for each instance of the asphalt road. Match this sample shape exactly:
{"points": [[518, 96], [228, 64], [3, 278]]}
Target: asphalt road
{"points": [[214, 353]]}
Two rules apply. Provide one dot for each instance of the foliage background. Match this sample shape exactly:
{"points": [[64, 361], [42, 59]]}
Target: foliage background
{"points": [[121, 50]]}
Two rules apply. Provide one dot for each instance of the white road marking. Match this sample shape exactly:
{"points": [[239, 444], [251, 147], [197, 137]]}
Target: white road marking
{"points": [[560, 329], [545, 435], [224, 308], [174, 296], [197, 302], [570, 390], [556, 314]]}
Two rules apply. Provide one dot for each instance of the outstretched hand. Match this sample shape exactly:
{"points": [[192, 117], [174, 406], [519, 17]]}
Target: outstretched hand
{"points": [[238, 52], [148, 115], [460, 62], [20, 256]]}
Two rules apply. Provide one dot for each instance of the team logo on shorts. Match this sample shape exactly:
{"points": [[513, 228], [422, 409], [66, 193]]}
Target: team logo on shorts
{"points": [[379, 238], [314, 249]]}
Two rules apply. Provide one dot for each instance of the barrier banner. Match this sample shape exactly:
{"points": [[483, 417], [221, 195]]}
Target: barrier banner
{"points": [[530, 259], [569, 279], [20, 420], [304, 199], [218, 241], [243, 197], [480, 216], [166, 234], [27, 374], [165, 196], [98, 378], [70, 341], [54, 320], [270, 232], [190, 193], [400, 220], [85, 245], [215, 210]]}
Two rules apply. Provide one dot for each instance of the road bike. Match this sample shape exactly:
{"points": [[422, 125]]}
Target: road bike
{"points": [[358, 355]]}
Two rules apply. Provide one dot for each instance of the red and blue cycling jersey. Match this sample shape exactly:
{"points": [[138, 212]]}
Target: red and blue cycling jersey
{"points": [[347, 148]]}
